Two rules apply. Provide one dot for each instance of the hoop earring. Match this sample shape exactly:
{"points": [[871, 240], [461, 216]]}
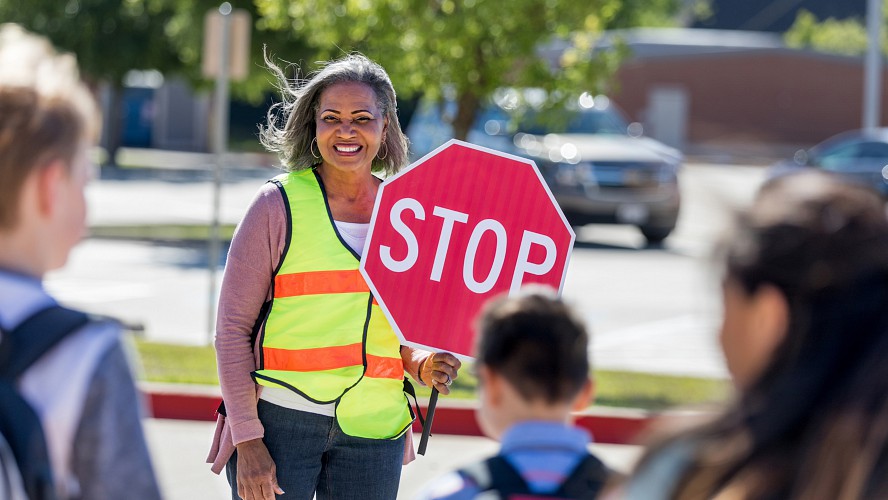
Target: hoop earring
{"points": [[314, 142], [383, 157]]}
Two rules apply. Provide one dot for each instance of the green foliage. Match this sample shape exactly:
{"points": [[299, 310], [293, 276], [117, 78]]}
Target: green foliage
{"points": [[109, 37], [838, 36], [184, 30], [112, 37], [471, 46]]}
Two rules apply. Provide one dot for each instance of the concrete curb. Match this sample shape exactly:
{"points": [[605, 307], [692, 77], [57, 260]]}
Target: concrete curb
{"points": [[607, 425]]}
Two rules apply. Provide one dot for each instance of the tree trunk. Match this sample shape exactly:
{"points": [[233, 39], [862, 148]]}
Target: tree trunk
{"points": [[467, 104]]}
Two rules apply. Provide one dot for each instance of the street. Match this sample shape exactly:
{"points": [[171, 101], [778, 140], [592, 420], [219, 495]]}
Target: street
{"points": [[650, 309]]}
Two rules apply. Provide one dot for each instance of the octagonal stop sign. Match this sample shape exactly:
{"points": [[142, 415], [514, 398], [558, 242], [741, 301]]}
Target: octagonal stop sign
{"points": [[454, 229]]}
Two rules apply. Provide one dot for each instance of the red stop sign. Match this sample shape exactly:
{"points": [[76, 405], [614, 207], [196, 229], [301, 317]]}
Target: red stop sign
{"points": [[461, 225]]}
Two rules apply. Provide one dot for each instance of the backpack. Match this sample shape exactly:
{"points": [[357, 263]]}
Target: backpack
{"points": [[584, 482], [19, 424]]}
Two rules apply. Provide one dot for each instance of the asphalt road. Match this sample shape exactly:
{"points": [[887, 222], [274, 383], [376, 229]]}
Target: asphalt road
{"points": [[650, 309]]}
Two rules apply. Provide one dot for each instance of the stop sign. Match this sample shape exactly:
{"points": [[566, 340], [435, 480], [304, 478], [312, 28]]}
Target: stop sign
{"points": [[457, 227]]}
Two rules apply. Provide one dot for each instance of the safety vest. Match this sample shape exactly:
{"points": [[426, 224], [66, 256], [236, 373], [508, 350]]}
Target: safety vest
{"points": [[324, 336]]}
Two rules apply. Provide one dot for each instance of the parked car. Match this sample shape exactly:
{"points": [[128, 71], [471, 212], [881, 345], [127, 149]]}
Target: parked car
{"points": [[860, 156], [598, 166]]}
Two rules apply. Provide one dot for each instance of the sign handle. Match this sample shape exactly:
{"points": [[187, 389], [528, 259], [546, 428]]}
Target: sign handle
{"points": [[427, 428]]}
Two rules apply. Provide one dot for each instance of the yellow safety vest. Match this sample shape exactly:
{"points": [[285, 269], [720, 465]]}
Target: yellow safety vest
{"points": [[324, 335]]}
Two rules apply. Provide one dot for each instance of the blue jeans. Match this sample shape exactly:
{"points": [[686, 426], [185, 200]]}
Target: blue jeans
{"points": [[313, 456]]}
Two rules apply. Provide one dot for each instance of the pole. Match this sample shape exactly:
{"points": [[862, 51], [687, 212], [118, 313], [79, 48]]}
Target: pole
{"points": [[872, 85], [220, 145], [427, 428]]}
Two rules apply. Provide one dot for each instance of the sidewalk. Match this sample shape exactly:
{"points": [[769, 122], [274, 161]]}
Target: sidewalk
{"points": [[179, 449]]}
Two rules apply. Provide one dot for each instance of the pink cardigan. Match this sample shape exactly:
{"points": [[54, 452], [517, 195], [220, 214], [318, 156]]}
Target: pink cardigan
{"points": [[246, 284]]}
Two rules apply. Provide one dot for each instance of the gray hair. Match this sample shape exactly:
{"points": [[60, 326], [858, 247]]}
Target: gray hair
{"points": [[301, 99]]}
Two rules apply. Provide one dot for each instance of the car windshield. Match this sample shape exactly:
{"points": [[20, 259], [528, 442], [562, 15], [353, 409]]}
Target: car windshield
{"points": [[505, 115], [525, 112], [850, 154], [585, 121]]}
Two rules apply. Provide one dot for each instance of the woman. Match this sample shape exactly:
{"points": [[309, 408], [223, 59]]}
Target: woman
{"points": [[297, 323], [805, 337]]}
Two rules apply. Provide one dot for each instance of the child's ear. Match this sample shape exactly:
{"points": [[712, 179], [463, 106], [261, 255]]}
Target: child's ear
{"points": [[585, 397], [49, 178]]}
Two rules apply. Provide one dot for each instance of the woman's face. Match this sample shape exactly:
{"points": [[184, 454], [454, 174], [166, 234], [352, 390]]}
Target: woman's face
{"points": [[350, 127], [753, 326]]}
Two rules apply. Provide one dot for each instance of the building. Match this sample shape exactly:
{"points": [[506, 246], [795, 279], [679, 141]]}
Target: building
{"points": [[706, 91]]}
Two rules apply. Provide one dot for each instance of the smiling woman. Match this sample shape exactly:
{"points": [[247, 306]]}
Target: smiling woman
{"points": [[311, 372]]}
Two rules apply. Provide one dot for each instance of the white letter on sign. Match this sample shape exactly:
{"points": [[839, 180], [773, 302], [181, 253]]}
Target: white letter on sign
{"points": [[498, 258], [523, 266], [385, 252], [449, 216]]}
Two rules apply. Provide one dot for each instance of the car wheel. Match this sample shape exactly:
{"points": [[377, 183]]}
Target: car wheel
{"points": [[655, 235]]}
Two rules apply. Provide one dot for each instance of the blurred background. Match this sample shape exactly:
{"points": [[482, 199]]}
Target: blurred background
{"points": [[651, 120]]}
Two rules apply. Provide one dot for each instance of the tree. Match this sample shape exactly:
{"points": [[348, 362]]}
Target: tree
{"points": [[112, 37], [470, 46], [185, 31], [109, 38], [839, 36]]}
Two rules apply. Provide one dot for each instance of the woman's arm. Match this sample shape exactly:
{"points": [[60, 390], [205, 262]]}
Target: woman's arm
{"points": [[254, 254], [413, 359]]}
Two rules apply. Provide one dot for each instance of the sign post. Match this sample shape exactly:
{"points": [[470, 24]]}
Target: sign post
{"points": [[225, 56], [453, 230]]}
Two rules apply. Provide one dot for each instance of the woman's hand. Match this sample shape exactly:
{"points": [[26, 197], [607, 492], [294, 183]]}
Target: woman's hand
{"points": [[256, 472], [439, 370]]}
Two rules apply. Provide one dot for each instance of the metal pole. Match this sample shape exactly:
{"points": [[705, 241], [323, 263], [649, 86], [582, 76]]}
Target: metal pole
{"points": [[430, 417], [220, 145], [872, 85]]}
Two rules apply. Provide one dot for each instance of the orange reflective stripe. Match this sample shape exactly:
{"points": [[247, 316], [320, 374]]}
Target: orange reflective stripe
{"points": [[331, 358], [381, 367], [319, 282], [312, 360]]}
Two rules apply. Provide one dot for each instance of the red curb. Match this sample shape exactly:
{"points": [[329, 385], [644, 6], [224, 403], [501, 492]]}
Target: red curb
{"points": [[606, 426]]}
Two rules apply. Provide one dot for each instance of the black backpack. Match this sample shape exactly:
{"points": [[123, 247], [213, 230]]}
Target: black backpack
{"points": [[19, 423], [584, 482]]}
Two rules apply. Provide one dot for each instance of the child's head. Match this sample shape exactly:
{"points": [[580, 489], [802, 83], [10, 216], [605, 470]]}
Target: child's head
{"points": [[807, 260], [48, 121], [805, 335], [532, 360]]}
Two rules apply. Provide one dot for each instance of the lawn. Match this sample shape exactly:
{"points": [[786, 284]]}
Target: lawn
{"points": [[197, 365]]}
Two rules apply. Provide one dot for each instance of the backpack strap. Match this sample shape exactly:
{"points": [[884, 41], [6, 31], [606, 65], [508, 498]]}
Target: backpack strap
{"points": [[19, 423], [497, 475], [505, 479], [586, 480], [35, 336]]}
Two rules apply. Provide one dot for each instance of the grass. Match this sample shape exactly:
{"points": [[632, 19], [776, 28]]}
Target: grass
{"points": [[162, 232], [197, 365], [177, 363]]}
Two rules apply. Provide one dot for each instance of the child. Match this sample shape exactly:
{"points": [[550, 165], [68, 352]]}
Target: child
{"points": [[805, 338], [533, 371], [78, 394]]}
